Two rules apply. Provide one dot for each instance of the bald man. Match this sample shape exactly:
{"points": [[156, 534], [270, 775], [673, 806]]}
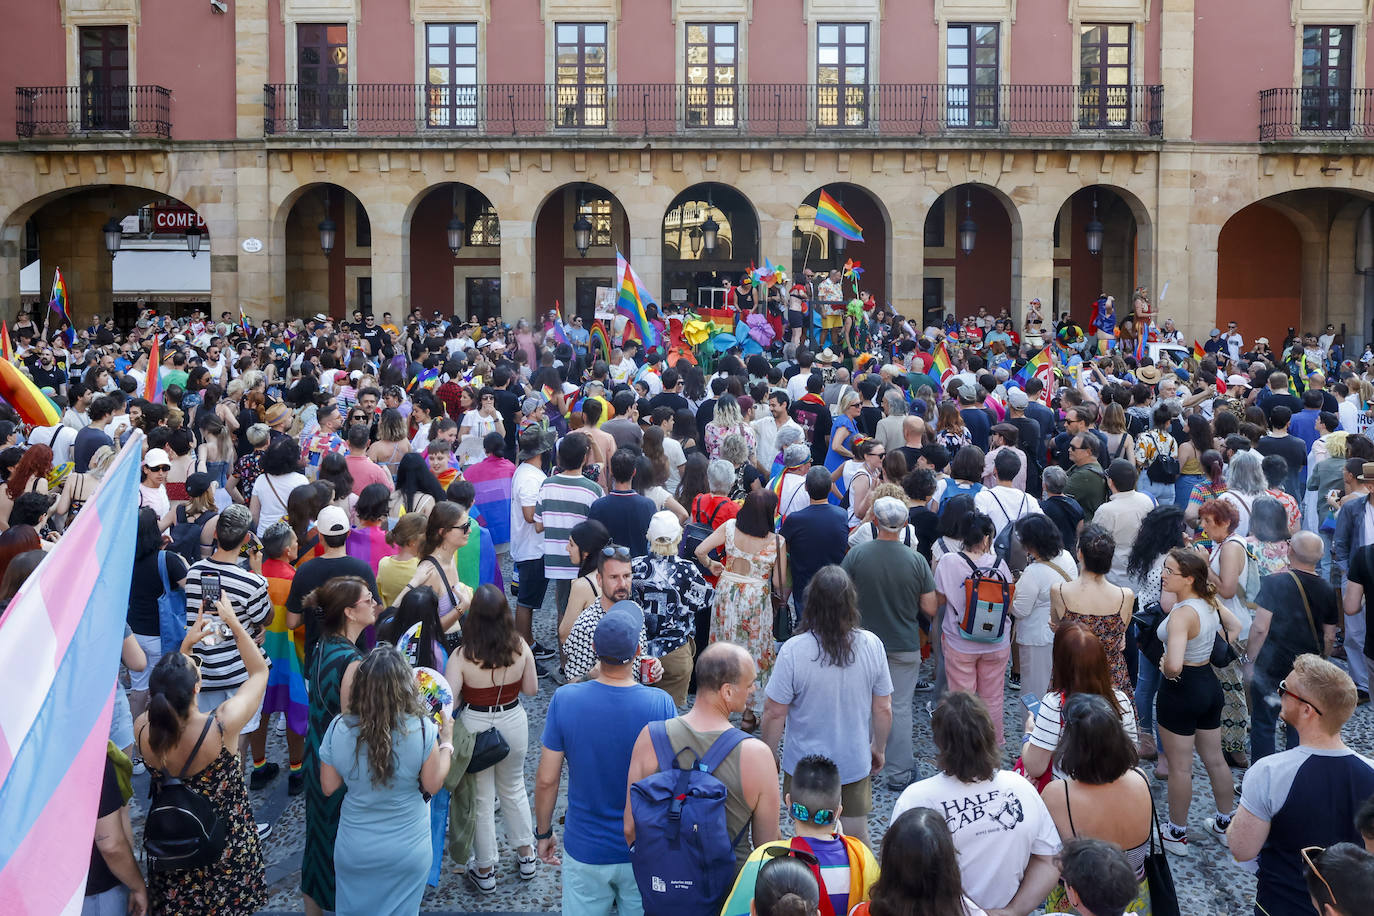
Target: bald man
{"points": [[1296, 613], [913, 438]]}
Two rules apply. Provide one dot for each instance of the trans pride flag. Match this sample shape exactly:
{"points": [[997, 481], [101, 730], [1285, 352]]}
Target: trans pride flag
{"points": [[491, 478], [59, 648]]}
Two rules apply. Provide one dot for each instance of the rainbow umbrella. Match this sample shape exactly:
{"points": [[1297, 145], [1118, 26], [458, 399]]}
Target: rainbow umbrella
{"points": [[23, 395]]}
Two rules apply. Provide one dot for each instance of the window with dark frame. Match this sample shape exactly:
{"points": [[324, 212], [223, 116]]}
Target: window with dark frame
{"points": [[580, 74], [451, 74], [712, 74], [598, 213], [972, 72], [1104, 75], [935, 224], [483, 296], [483, 225], [363, 225], [842, 74], [322, 75], [104, 77], [1327, 53]]}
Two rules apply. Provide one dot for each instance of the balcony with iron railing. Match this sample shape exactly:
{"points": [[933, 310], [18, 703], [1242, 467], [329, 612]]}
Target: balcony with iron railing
{"points": [[84, 111], [760, 111], [1316, 114]]}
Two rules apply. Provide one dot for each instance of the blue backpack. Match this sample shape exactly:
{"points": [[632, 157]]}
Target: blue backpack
{"points": [[171, 610], [683, 856]]}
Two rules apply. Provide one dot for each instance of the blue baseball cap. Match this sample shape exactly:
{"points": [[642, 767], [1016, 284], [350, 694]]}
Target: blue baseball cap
{"points": [[617, 634]]}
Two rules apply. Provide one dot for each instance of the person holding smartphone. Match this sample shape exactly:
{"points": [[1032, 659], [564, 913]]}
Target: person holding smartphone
{"points": [[238, 578]]}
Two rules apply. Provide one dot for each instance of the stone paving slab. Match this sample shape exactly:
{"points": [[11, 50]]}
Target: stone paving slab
{"points": [[1209, 882]]}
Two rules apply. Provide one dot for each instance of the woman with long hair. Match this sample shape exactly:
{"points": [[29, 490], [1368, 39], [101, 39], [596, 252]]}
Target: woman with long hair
{"points": [[78, 488], [177, 739], [950, 430], [345, 607], [694, 482], [727, 420], [415, 629], [280, 468], [755, 556], [1188, 708], [29, 475], [1098, 792], [491, 670], [1161, 530], [181, 448], [1227, 564], [1269, 533], [858, 476], [686, 433], [820, 674], [844, 429], [216, 451], [1095, 602], [585, 541], [380, 749], [918, 870], [1080, 666], [1212, 486], [1245, 483], [303, 507], [448, 528], [648, 482], [417, 489], [1190, 451], [334, 470], [392, 442]]}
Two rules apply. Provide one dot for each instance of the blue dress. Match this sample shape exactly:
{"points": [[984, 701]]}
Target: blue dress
{"points": [[834, 459], [382, 855]]}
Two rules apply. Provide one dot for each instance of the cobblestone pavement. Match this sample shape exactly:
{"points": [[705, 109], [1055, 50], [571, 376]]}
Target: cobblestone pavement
{"points": [[1209, 882]]}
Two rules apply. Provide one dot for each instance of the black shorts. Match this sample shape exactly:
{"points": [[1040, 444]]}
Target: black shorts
{"points": [[796, 319], [1192, 703], [533, 584]]}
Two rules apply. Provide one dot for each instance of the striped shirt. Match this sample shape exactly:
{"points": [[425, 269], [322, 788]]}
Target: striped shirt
{"points": [[221, 666], [563, 502]]}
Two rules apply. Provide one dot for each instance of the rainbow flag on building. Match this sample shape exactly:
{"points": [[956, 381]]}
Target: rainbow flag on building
{"points": [[152, 385], [59, 647], [634, 302], [942, 363], [830, 215], [58, 302]]}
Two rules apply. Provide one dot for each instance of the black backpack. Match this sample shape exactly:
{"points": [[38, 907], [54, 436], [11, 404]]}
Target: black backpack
{"points": [[185, 536], [694, 532], [183, 828]]}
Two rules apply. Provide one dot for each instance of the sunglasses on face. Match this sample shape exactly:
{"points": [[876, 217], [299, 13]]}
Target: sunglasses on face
{"points": [[161, 467], [1284, 691]]}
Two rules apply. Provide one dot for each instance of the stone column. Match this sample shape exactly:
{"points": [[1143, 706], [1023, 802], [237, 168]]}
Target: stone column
{"points": [[251, 218], [517, 268], [390, 255], [1032, 255], [1185, 251], [251, 65]]}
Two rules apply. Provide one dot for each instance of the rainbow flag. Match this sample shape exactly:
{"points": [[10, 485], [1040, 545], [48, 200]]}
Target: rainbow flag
{"points": [[634, 301], [59, 647], [286, 649], [1104, 346], [1199, 354], [243, 323], [599, 340], [1033, 366], [942, 362], [560, 333], [425, 378], [491, 478], [33, 406], [830, 215], [152, 385], [58, 302]]}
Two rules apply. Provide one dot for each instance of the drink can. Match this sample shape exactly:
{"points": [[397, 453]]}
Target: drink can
{"points": [[645, 664]]}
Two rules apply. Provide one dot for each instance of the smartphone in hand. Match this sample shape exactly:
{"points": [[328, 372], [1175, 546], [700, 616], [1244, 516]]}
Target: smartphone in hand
{"points": [[1032, 703]]}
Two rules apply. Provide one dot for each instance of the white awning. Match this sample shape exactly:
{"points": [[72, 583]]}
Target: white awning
{"points": [[147, 273]]}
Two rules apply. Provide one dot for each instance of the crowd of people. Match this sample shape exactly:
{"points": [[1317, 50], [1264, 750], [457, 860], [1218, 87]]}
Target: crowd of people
{"points": [[763, 569]]}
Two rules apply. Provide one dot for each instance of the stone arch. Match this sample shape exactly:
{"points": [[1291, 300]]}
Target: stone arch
{"points": [[698, 271], [306, 280], [465, 283], [564, 274], [1127, 256], [874, 252], [990, 276]]}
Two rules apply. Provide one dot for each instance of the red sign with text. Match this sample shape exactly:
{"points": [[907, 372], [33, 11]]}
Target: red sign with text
{"points": [[176, 219]]}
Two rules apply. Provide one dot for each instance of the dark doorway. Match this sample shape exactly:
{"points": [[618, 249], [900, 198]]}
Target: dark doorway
{"points": [[483, 297], [933, 301], [585, 306]]}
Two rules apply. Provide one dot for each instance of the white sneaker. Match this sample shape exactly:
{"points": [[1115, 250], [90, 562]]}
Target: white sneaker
{"points": [[527, 867], [1176, 843], [1217, 830], [264, 830], [139, 767]]}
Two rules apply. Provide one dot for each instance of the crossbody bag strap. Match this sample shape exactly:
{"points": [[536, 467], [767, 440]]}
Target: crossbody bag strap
{"points": [[1307, 608], [209, 720], [1054, 566], [439, 568]]}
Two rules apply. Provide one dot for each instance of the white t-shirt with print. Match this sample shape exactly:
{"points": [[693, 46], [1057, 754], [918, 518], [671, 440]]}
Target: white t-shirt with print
{"points": [[997, 826]]}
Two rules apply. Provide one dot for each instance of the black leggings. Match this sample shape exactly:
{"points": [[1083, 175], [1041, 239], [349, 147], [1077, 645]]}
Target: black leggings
{"points": [[1191, 703]]}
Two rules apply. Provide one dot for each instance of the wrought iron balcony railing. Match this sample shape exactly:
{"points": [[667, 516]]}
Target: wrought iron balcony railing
{"points": [[79, 111], [1315, 113], [759, 110]]}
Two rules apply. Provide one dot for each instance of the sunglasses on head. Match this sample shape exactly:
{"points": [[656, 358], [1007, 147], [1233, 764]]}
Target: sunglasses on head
{"points": [[820, 817], [787, 852], [615, 552], [1310, 855]]}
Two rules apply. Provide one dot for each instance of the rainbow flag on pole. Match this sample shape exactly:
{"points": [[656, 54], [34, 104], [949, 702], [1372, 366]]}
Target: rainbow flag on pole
{"points": [[58, 302], [560, 333], [634, 301], [1032, 366], [942, 363], [152, 385], [59, 648], [830, 215], [1199, 354]]}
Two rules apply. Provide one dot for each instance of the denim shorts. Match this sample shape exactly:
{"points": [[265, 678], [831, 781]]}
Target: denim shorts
{"points": [[533, 584]]}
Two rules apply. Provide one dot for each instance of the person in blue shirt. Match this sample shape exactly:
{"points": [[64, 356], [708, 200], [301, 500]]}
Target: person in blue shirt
{"points": [[592, 726]]}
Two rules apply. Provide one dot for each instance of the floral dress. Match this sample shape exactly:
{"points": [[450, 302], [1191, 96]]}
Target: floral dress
{"points": [[236, 884], [1111, 630], [743, 611]]}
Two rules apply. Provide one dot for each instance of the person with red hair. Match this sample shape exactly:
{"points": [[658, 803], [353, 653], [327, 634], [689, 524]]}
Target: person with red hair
{"points": [[17, 540], [29, 475]]}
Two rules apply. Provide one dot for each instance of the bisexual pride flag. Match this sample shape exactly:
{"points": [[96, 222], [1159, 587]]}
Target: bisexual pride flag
{"points": [[60, 642]]}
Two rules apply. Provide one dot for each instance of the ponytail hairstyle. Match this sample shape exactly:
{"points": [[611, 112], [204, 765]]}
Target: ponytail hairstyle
{"points": [[1213, 466], [332, 600], [171, 695], [786, 886], [1193, 567]]}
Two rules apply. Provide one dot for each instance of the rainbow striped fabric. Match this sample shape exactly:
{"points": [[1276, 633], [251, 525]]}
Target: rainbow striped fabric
{"points": [[58, 302], [942, 362], [599, 340], [285, 648], [34, 407], [634, 301], [152, 384], [1199, 354], [1033, 366], [491, 478], [560, 333], [830, 215], [59, 648]]}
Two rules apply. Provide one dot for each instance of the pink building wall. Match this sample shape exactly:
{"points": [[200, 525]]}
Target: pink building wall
{"points": [[1231, 65], [910, 44], [515, 43], [200, 73], [33, 51], [645, 42], [386, 43], [276, 46], [778, 42], [1043, 45]]}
